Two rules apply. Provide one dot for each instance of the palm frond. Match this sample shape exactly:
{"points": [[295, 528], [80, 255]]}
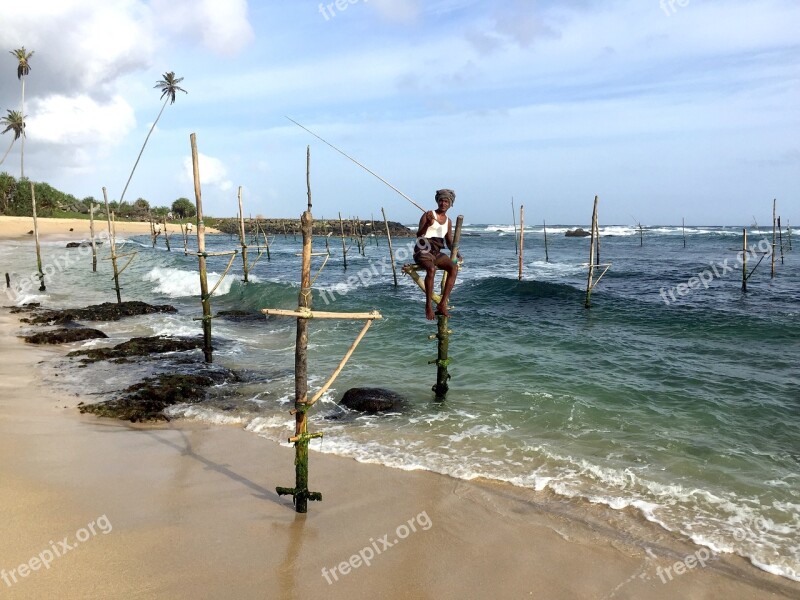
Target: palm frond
{"points": [[169, 85], [15, 122], [22, 56]]}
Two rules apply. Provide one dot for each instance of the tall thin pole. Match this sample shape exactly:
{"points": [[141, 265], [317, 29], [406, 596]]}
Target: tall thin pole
{"points": [[789, 236], [166, 235], [374, 235], [344, 248], [201, 253], [36, 236], [442, 330], [780, 238], [391, 252], [113, 239], [683, 226], [521, 237], [514, 218], [360, 235], [242, 239], [588, 304], [774, 209], [641, 236], [91, 232], [744, 259], [546, 255]]}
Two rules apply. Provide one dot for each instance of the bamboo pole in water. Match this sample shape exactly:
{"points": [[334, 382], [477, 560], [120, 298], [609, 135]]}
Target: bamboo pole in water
{"points": [[744, 259], [205, 299], [789, 236], [42, 287], [166, 235], [521, 238], [587, 303], [641, 236], [780, 238], [774, 209], [344, 248], [91, 233], [113, 240], [546, 255], [683, 227], [360, 235], [389, 240], [242, 239], [514, 218], [442, 332]]}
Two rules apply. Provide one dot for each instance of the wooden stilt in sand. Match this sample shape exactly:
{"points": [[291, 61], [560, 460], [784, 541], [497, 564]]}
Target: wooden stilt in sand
{"points": [[36, 237], [744, 259], [344, 248], [546, 254], [780, 238], [242, 238], [593, 258], [113, 241], [774, 237], [91, 233], [300, 493], [514, 218], [521, 238], [389, 240]]}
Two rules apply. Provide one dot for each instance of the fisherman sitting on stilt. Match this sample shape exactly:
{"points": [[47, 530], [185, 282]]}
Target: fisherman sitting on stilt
{"points": [[435, 231]]}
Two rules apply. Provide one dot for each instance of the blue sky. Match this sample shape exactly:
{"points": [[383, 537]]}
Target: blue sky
{"points": [[665, 109]]}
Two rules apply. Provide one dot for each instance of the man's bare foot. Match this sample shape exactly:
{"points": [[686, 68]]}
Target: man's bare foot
{"points": [[429, 313], [441, 309]]}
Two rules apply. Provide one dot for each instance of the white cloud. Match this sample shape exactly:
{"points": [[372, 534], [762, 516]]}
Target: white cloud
{"points": [[212, 172], [79, 120], [222, 26], [401, 11]]}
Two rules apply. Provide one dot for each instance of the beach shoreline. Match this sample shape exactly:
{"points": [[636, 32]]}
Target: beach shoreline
{"points": [[76, 229], [192, 512]]}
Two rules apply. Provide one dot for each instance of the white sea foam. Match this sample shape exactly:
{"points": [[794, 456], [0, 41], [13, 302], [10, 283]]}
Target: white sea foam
{"points": [[176, 283]]}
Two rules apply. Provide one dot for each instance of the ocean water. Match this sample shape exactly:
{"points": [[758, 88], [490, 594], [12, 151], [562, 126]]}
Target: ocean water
{"points": [[680, 402]]}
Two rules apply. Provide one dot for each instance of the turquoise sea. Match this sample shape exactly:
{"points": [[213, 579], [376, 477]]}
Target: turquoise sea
{"points": [[682, 403]]}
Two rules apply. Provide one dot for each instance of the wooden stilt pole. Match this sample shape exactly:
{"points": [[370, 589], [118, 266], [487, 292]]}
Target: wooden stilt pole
{"points": [[205, 298], [166, 235], [442, 332], [372, 232], [389, 240], [774, 240], [780, 238], [589, 283], [361, 235], [8, 280], [744, 259], [152, 232], [344, 248], [242, 239], [521, 238], [42, 287], [514, 218], [113, 240], [546, 255], [683, 226], [789, 236], [185, 234], [91, 233], [641, 236], [284, 231]]}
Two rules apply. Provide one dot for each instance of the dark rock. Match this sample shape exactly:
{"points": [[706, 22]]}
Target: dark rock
{"points": [[108, 311], [64, 335], [372, 400], [83, 244], [146, 401], [240, 315], [577, 233], [140, 346]]}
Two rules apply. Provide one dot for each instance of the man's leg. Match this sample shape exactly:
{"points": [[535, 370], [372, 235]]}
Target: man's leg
{"points": [[448, 266]]}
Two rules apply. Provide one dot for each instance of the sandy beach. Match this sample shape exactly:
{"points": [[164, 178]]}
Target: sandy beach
{"points": [[17, 227], [95, 508]]}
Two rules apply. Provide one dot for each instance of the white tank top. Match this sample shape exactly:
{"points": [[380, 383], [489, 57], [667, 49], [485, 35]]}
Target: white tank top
{"points": [[438, 230]]}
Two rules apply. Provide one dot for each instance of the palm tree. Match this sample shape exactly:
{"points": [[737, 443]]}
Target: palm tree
{"points": [[13, 122], [23, 68], [168, 87]]}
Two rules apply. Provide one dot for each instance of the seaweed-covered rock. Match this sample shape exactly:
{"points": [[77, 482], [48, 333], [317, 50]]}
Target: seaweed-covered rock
{"points": [[108, 311], [240, 315], [139, 346], [372, 400], [579, 232], [64, 335], [146, 401]]}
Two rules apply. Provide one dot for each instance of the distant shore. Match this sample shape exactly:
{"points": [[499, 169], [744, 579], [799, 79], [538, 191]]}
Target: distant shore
{"points": [[75, 229]]}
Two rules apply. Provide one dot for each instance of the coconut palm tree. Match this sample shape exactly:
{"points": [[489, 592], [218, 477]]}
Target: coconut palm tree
{"points": [[23, 68], [13, 122], [168, 87]]}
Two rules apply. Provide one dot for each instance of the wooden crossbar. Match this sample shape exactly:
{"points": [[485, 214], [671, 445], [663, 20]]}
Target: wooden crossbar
{"points": [[305, 313]]}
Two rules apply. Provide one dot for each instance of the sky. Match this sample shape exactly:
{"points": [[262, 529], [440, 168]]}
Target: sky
{"points": [[665, 109]]}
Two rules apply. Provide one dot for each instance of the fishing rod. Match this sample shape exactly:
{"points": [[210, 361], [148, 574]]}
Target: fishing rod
{"points": [[371, 172]]}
